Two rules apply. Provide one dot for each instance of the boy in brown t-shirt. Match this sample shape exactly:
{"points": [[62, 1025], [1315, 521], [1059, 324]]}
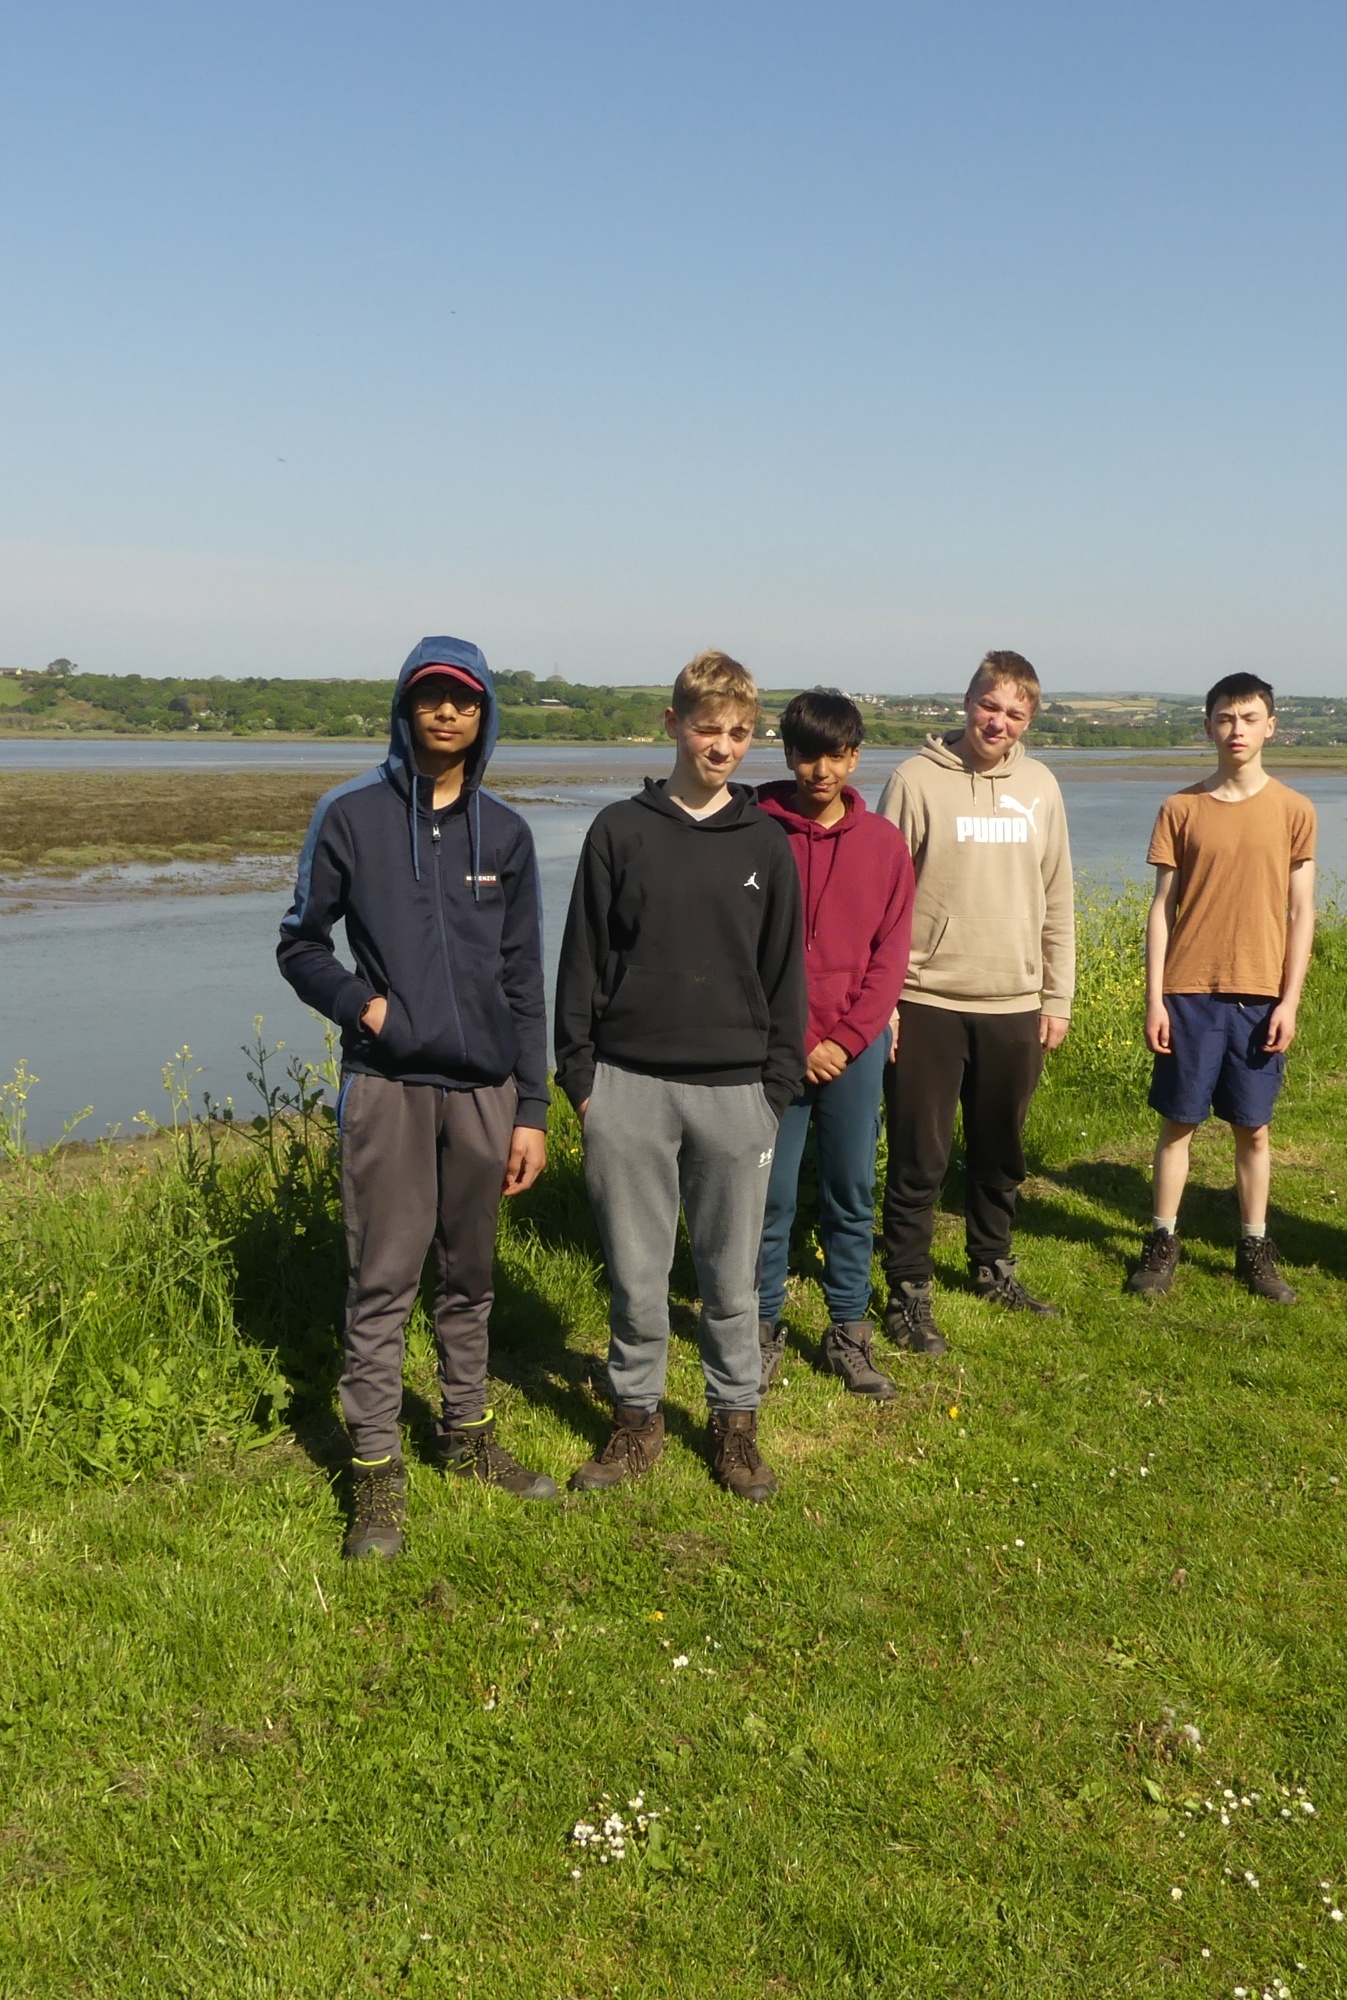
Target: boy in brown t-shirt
{"points": [[1227, 948]]}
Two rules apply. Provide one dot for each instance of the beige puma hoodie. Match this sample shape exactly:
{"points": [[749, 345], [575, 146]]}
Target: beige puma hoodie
{"points": [[993, 927]]}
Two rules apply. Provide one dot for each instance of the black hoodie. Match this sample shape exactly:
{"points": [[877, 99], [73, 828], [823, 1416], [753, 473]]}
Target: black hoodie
{"points": [[682, 956], [442, 917]]}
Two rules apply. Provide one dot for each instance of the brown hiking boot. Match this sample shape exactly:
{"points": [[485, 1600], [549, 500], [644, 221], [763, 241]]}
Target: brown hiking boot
{"points": [[378, 1509], [1159, 1261], [849, 1351], [909, 1319], [735, 1459], [997, 1281], [471, 1451], [772, 1348], [1256, 1265], [637, 1441]]}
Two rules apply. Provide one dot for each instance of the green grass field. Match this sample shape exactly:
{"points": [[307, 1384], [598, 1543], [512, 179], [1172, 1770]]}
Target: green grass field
{"points": [[916, 1729]]}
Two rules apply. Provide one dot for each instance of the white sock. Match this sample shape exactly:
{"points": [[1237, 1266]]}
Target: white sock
{"points": [[1169, 1223], [1253, 1229]]}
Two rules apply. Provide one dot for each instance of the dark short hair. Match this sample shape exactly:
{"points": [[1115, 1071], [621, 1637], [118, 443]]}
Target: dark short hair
{"points": [[1240, 687], [821, 723]]}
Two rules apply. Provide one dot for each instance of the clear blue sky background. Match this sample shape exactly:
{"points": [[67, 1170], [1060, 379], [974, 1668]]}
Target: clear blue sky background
{"points": [[853, 338]]}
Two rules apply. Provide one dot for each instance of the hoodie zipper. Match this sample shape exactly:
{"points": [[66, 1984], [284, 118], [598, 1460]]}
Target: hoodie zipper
{"points": [[444, 932]]}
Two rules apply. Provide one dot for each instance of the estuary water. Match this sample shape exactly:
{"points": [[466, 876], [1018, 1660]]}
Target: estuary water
{"points": [[102, 987]]}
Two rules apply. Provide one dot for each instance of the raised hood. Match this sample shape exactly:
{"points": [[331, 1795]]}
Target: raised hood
{"points": [[444, 652]]}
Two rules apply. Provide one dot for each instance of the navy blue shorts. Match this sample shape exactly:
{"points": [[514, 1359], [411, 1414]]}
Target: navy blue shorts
{"points": [[1217, 1061]]}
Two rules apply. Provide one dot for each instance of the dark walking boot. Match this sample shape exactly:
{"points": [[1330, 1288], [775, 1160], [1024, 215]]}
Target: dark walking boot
{"points": [[735, 1459], [1256, 1266], [997, 1281], [909, 1320], [471, 1451], [772, 1347], [1159, 1261], [849, 1352], [378, 1509], [637, 1441]]}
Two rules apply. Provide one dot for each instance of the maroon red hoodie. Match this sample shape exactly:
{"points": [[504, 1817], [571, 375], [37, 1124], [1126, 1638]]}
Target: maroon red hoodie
{"points": [[857, 883]]}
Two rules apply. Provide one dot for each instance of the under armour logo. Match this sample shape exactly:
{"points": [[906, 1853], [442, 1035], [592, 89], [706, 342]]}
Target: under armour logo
{"points": [[753, 882], [764, 1159]]}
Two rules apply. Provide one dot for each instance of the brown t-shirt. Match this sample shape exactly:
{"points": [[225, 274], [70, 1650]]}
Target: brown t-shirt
{"points": [[1234, 860]]}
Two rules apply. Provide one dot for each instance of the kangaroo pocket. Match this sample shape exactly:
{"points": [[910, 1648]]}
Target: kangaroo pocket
{"points": [[404, 1044], [657, 1015], [989, 958]]}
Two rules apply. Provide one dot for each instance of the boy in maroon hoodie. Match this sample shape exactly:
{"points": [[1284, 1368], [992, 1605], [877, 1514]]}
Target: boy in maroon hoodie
{"points": [[857, 883]]}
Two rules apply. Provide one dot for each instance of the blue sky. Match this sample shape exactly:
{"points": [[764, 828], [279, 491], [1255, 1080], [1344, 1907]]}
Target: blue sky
{"points": [[855, 339]]}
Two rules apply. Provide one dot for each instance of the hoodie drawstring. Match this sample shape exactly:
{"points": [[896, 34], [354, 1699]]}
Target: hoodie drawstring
{"points": [[411, 820], [476, 847]]}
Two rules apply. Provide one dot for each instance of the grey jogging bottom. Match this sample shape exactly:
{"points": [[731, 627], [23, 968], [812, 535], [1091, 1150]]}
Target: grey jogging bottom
{"points": [[418, 1165], [650, 1143]]}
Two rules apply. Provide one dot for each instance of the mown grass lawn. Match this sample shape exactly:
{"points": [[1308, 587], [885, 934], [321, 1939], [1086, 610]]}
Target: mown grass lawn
{"points": [[918, 1728]]}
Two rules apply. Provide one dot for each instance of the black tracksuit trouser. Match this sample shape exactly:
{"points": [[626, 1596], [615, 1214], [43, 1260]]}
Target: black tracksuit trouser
{"points": [[988, 1063]]}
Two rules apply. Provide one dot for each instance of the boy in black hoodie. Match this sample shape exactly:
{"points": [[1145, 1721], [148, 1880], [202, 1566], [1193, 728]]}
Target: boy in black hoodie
{"points": [[680, 1041], [444, 1095]]}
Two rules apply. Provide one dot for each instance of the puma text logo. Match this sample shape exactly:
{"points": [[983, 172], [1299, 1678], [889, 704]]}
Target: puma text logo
{"points": [[753, 882]]}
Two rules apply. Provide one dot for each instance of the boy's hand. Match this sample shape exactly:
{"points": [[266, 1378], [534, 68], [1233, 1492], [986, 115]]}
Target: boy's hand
{"points": [[375, 1014], [1157, 1030], [1052, 1031], [825, 1062], [893, 1030], [1281, 1028], [528, 1157], [580, 1111]]}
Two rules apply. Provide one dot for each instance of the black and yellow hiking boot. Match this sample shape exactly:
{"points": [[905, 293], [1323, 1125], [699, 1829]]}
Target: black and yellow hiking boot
{"points": [[997, 1281], [772, 1348], [471, 1451], [378, 1508], [909, 1319], [1154, 1275], [735, 1459], [849, 1352], [636, 1442], [1256, 1266]]}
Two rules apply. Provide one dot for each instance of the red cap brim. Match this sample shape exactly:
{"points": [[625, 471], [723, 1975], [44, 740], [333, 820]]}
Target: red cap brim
{"points": [[443, 671]]}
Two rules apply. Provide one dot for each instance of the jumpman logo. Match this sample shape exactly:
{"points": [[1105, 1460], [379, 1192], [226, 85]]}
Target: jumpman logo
{"points": [[753, 882], [1025, 812]]}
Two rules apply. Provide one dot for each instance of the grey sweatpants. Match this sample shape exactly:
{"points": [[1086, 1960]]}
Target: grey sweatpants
{"points": [[418, 1165], [648, 1144]]}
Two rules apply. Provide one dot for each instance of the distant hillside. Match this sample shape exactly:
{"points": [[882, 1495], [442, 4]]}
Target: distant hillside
{"points": [[63, 698]]}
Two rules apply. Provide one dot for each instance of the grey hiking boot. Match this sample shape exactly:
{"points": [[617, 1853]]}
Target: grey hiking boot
{"points": [[1159, 1261], [772, 1347], [378, 1509], [909, 1319], [1256, 1266], [849, 1351], [637, 1441], [735, 1459], [471, 1451], [997, 1281]]}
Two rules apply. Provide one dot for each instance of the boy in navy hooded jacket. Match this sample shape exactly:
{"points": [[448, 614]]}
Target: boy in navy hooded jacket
{"points": [[444, 1093]]}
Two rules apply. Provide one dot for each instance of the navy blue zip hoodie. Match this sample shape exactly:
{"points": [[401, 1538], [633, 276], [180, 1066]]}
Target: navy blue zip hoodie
{"points": [[442, 913]]}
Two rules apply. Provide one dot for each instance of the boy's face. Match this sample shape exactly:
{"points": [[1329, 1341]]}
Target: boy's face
{"points": [[998, 716], [712, 740], [820, 779], [1239, 726], [446, 716]]}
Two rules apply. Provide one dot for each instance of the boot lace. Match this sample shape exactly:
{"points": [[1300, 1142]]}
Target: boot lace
{"points": [[377, 1500], [739, 1448], [627, 1445], [1157, 1250], [917, 1311], [1261, 1253], [1008, 1290]]}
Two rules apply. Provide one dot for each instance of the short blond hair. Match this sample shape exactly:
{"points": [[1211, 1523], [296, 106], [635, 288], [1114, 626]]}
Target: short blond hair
{"points": [[1012, 667], [716, 680]]}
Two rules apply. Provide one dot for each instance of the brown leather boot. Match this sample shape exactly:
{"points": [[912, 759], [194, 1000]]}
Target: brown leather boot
{"points": [[637, 1441], [736, 1461]]}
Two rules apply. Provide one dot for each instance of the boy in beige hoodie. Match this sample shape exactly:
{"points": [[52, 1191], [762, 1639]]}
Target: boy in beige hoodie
{"points": [[988, 989]]}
